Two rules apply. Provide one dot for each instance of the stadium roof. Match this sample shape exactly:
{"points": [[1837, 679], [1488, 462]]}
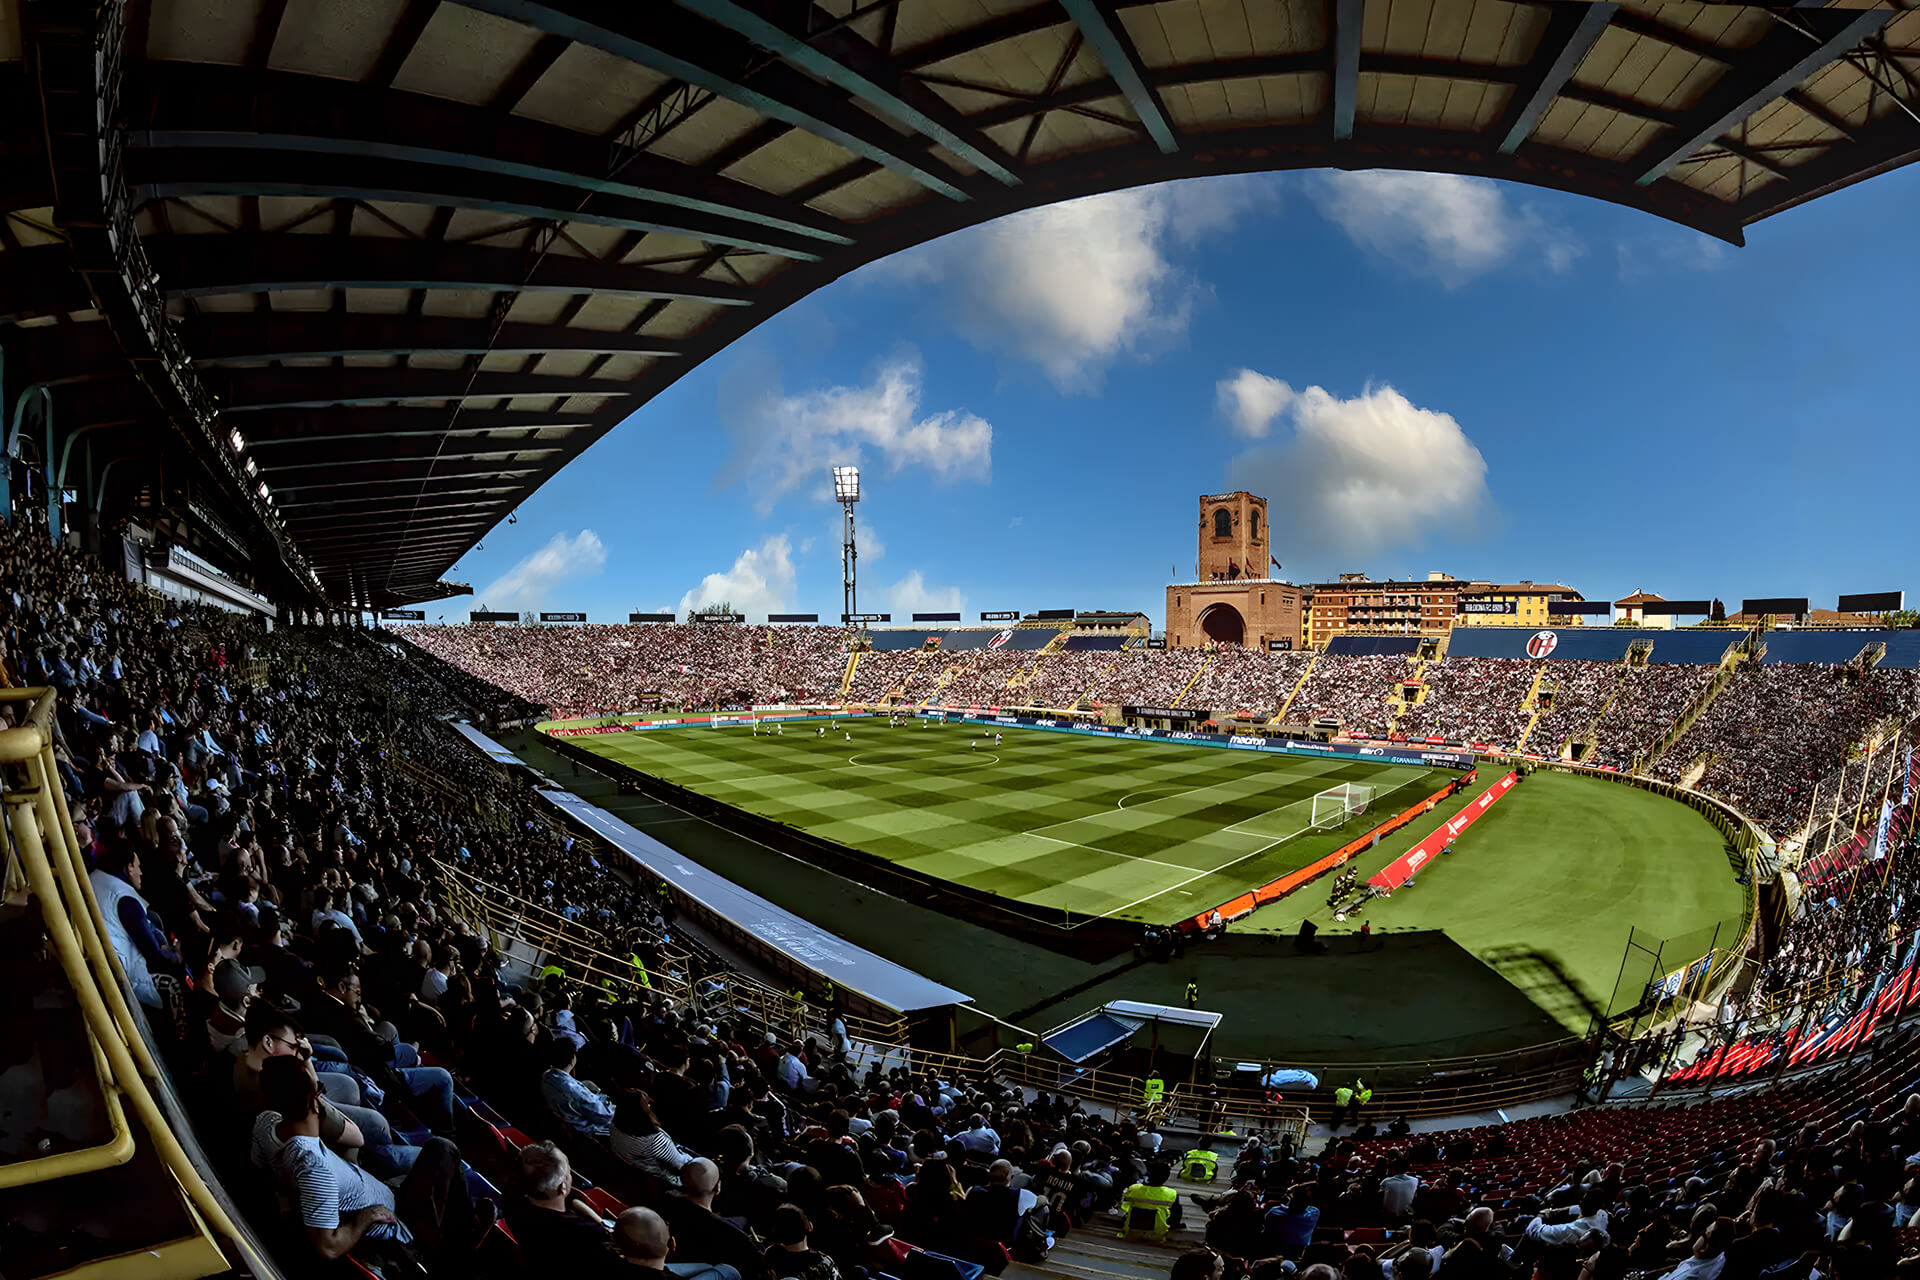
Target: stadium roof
{"points": [[422, 253]]}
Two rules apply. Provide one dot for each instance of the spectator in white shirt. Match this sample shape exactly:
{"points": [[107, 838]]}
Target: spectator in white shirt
{"points": [[1590, 1217], [1397, 1190], [978, 1138], [446, 963]]}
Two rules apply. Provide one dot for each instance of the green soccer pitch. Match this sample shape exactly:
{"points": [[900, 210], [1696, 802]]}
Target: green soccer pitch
{"points": [[1069, 827]]}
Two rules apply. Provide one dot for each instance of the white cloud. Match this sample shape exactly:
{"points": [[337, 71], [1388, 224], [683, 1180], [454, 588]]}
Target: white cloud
{"points": [[1250, 401], [1687, 250], [1360, 475], [525, 586], [785, 441], [760, 581], [1073, 286], [1444, 225], [1016, 522], [912, 594]]}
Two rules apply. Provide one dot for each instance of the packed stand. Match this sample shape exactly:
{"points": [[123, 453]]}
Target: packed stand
{"points": [[1652, 698], [1476, 700], [592, 669], [1249, 680], [1580, 690], [1351, 690], [1774, 731]]}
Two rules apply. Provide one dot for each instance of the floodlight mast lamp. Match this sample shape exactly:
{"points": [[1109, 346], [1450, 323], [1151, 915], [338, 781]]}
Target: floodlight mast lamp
{"points": [[846, 491]]}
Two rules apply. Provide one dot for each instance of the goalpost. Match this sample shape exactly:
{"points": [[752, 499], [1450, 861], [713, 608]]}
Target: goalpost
{"points": [[1339, 804]]}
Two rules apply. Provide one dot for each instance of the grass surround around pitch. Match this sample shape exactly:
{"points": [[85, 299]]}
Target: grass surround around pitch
{"points": [[1066, 826]]}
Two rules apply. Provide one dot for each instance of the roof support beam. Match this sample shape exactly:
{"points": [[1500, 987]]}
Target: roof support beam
{"points": [[373, 144], [1346, 65], [281, 465], [1100, 24], [244, 389], [496, 494], [844, 60], [1571, 34], [675, 44], [1739, 93], [369, 171], [269, 428], [223, 338], [193, 266]]}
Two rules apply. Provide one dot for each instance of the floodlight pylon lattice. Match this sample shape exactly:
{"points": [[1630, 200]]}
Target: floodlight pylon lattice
{"points": [[846, 491]]}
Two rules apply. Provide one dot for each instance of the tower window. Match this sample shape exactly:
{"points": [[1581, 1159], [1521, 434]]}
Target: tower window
{"points": [[1256, 524], [1222, 523]]}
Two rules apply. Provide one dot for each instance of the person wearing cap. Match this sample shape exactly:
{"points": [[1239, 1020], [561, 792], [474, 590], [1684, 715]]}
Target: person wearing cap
{"points": [[235, 986]]}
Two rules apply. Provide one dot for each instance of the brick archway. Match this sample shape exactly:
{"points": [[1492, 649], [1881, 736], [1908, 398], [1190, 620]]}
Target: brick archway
{"points": [[1223, 623]]}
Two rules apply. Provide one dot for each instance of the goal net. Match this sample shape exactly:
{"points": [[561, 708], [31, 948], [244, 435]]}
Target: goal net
{"points": [[1337, 805]]}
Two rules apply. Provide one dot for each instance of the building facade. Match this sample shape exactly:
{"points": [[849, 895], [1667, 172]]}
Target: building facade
{"points": [[1232, 600], [1357, 605], [1516, 604]]}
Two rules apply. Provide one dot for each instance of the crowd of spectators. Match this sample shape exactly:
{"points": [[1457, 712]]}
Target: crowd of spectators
{"points": [[1861, 920], [272, 886], [1353, 691], [1650, 700], [586, 670], [1775, 730], [1480, 700], [1768, 735], [1735, 1190]]}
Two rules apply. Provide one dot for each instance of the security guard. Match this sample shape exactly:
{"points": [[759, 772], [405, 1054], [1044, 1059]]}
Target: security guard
{"points": [[1152, 1090], [1193, 995], [1151, 1207], [1362, 1095], [1342, 1100], [640, 977]]}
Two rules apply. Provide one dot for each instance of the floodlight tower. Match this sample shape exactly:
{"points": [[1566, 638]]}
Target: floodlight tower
{"points": [[846, 491]]}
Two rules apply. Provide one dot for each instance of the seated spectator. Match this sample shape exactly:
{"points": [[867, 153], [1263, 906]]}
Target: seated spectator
{"points": [[1561, 1227], [1153, 1193], [700, 1235], [790, 1254], [977, 1139], [341, 1205], [936, 1214], [1288, 1229], [553, 1226], [642, 1241], [136, 935], [578, 1104], [1397, 1191], [1708, 1255], [993, 1208], [638, 1139]]}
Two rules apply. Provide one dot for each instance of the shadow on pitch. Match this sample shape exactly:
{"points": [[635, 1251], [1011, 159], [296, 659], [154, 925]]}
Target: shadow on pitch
{"points": [[1544, 980]]}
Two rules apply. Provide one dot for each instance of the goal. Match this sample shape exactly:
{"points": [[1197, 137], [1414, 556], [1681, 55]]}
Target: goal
{"points": [[1336, 805]]}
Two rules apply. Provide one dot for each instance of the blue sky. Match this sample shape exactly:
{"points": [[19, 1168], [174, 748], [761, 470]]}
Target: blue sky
{"points": [[1417, 371]]}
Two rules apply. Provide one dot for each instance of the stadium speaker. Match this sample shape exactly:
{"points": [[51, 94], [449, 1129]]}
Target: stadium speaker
{"points": [[1306, 943]]}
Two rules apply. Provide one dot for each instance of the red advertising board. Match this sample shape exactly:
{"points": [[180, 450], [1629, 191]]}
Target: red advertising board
{"points": [[1401, 869]]}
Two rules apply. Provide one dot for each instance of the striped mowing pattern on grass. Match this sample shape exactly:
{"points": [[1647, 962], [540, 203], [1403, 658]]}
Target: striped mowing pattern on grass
{"points": [[1144, 831]]}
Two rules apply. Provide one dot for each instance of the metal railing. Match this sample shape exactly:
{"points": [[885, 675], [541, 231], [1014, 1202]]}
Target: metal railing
{"points": [[44, 853]]}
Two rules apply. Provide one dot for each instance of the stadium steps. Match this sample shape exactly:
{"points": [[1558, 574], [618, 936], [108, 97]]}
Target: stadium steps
{"points": [[1591, 734], [1687, 718], [1092, 1251], [846, 681], [1533, 700], [1188, 687], [1298, 685]]}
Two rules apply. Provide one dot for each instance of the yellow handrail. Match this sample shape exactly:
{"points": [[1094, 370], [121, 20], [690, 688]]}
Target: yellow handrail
{"points": [[76, 931]]}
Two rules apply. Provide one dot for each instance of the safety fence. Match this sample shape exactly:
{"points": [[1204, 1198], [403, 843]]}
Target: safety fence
{"points": [[1274, 890], [140, 1122]]}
